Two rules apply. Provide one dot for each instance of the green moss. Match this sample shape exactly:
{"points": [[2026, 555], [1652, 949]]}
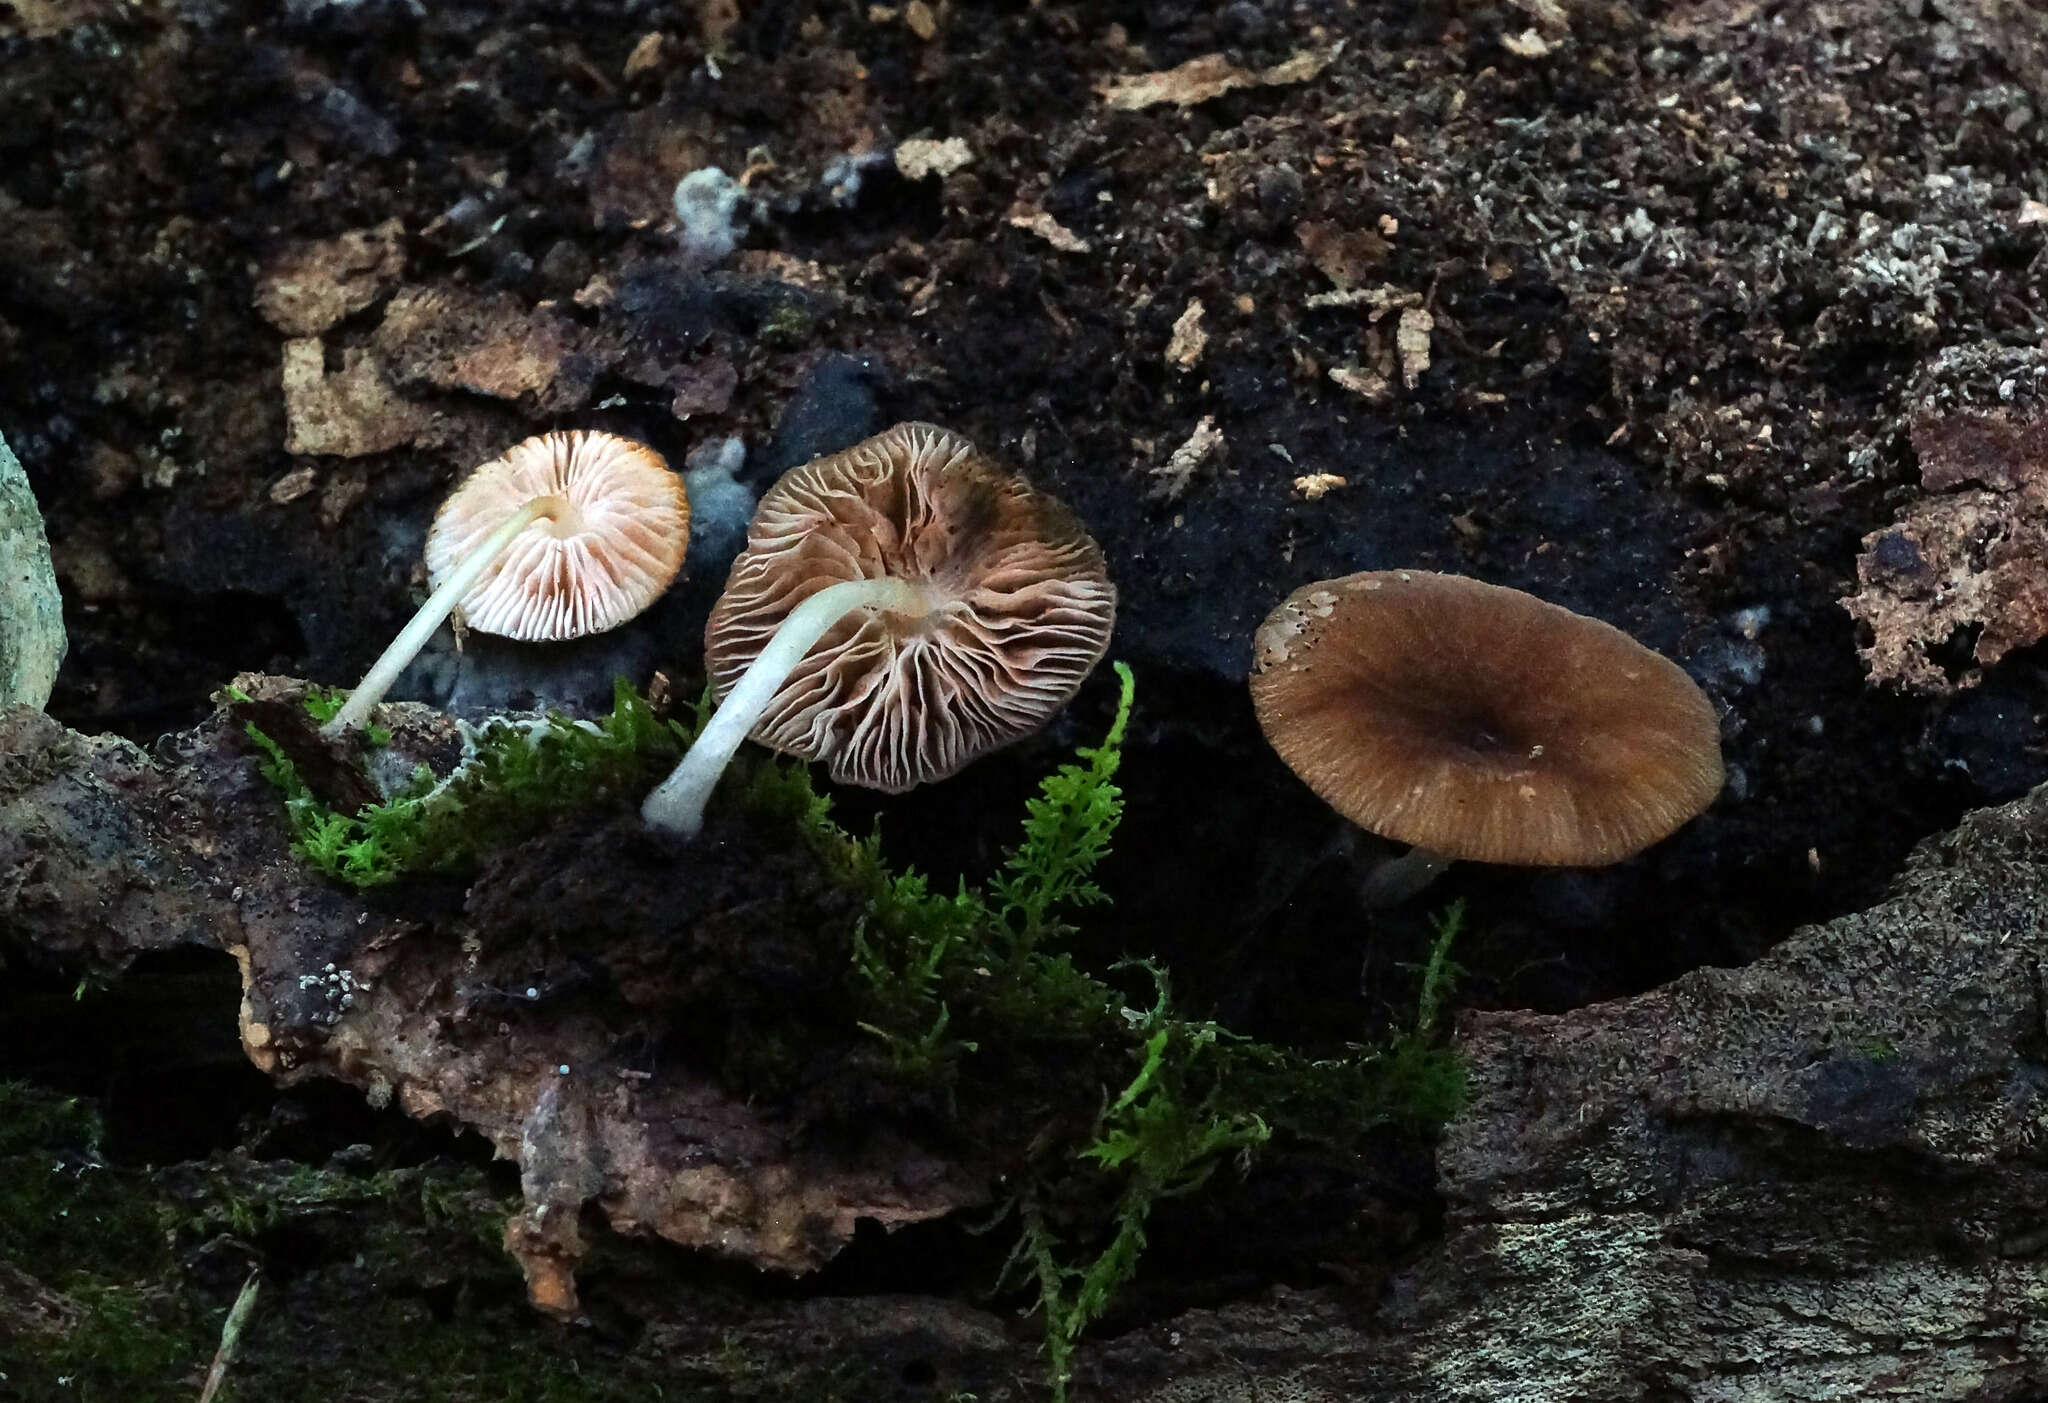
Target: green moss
{"points": [[788, 325], [59, 1199], [516, 778], [959, 989]]}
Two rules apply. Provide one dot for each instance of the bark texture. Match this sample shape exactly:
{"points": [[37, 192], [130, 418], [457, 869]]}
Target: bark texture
{"points": [[486, 1015], [1823, 1176]]}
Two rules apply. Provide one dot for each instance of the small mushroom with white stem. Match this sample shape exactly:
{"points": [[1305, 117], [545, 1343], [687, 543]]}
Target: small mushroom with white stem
{"points": [[900, 609], [567, 534], [1480, 724]]}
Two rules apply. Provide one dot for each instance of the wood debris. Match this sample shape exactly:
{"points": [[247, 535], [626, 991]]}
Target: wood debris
{"points": [[1313, 486], [1037, 221], [1368, 383], [1344, 256], [1411, 339], [1170, 479], [1972, 553], [1211, 75], [453, 339], [310, 286], [349, 413], [293, 485], [1378, 301], [1188, 341], [921, 156], [647, 55]]}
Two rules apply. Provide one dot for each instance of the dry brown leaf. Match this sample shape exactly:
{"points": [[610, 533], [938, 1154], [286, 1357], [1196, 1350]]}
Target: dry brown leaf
{"points": [[1344, 256]]}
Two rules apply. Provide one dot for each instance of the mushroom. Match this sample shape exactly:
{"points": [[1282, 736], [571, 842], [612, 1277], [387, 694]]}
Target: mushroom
{"points": [[900, 609], [1480, 724], [566, 534]]}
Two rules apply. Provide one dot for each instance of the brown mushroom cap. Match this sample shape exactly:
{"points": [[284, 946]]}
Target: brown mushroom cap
{"points": [[589, 567], [1480, 722], [1018, 608]]}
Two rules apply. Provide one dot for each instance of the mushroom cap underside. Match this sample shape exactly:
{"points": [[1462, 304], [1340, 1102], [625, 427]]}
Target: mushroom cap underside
{"points": [[611, 552], [1018, 608]]}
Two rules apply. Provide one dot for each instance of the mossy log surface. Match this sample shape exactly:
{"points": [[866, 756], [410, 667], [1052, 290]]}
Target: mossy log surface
{"points": [[1818, 1176], [471, 1005]]}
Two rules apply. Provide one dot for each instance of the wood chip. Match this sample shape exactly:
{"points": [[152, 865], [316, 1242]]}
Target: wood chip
{"points": [[1411, 339], [1211, 75], [1314, 485], [1527, 44], [293, 485], [310, 286], [1186, 344], [1369, 383], [1037, 221], [646, 55], [1378, 300], [350, 413], [1170, 479], [921, 156]]}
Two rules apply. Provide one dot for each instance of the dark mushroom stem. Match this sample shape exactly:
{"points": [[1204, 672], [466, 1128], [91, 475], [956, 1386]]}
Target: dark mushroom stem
{"points": [[677, 806], [1399, 878]]}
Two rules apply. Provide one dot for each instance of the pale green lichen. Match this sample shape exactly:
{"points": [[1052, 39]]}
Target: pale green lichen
{"points": [[32, 641]]}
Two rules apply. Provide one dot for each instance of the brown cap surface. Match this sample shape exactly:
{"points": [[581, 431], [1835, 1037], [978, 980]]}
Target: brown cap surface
{"points": [[591, 567], [1018, 608], [1481, 722]]}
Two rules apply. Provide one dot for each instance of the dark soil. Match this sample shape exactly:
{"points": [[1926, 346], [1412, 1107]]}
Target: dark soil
{"points": [[1690, 269]]}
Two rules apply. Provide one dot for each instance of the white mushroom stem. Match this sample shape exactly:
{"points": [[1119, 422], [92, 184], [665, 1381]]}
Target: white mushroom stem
{"points": [[1398, 878], [678, 805], [440, 604]]}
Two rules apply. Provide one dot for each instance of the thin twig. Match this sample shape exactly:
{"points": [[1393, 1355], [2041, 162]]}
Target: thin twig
{"points": [[230, 1336]]}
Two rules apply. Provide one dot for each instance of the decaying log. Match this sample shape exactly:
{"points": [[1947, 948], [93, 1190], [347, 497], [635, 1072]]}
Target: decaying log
{"points": [[1821, 1176], [1824, 1176], [106, 852]]}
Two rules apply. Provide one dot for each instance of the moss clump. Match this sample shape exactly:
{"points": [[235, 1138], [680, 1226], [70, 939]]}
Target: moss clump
{"points": [[945, 993], [516, 777]]}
